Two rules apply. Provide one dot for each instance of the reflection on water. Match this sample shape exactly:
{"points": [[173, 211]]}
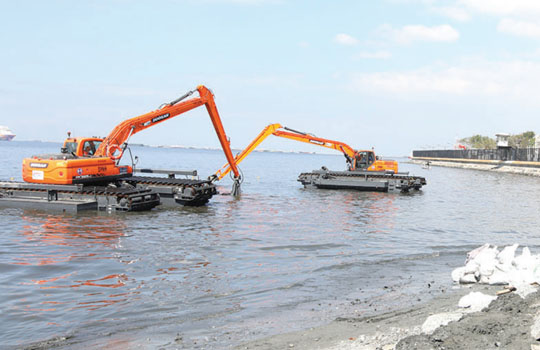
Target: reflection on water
{"points": [[41, 229], [55, 251]]}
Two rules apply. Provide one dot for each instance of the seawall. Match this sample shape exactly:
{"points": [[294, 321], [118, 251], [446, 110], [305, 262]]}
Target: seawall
{"points": [[518, 161]]}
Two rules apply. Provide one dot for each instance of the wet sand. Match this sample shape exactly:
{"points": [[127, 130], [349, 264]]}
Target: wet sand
{"points": [[505, 324]]}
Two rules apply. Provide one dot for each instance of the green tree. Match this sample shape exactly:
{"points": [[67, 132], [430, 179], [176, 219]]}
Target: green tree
{"points": [[523, 140], [479, 142]]}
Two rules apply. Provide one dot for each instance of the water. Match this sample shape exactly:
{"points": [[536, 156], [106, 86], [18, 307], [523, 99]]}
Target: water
{"points": [[281, 258]]}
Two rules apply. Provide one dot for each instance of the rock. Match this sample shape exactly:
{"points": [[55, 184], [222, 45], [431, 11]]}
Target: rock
{"points": [[506, 256], [458, 273], [435, 321], [468, 278], [487, 265], [525, 289], [535, 327], [498, 277], [474, 253], [471, 267], [475, 301], [484, 279], [525, 260]]}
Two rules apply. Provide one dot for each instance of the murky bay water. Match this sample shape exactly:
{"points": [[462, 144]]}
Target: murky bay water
{"points": [[278, 259]]}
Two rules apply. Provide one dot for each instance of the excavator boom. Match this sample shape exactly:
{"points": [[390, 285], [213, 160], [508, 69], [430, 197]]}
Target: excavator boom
{"points": [[93, 160], [269, 130], [353, 157], [314, 140], [116, 140]]}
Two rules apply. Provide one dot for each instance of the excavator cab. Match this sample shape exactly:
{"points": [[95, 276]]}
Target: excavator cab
{"points": [[77, 163], [368, 161], [81, 147], [363, 160]]}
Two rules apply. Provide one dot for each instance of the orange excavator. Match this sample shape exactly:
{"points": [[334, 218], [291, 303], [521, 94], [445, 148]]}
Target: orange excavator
{"points": [[96, 160], [357, 160], [87, 175], [365, 171]]}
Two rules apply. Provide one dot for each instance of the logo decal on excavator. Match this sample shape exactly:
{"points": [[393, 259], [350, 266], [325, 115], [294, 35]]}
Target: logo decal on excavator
{"points": [[317, 142], [39, 165], [157, 119], [160, 117]]}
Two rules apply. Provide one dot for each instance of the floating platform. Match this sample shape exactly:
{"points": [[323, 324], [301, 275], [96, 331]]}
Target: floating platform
{"points": [[75, 198], [361, 180], [130, 193]]}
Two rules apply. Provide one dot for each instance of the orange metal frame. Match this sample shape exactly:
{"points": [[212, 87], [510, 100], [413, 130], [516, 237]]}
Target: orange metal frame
{"points": [[102, 164], [130, 127], [275, 129]]}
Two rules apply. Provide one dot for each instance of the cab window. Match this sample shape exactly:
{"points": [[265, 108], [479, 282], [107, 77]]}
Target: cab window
{"points": [[90, 147], [70, 147], [371, 158], [361, 159]]}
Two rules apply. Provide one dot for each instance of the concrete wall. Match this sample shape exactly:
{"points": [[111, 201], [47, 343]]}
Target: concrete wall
{"points": [[521, 154]]}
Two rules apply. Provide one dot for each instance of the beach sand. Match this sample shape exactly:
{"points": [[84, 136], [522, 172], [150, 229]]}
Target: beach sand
{"points": [[505, 324]]}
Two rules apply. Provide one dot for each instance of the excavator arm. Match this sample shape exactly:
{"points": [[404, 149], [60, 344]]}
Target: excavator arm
{"points": [[269, 130], [115, 143], [314, 140], [275, 129]]}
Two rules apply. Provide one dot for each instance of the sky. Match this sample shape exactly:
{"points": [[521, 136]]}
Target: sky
{"points": [[396, 75]]}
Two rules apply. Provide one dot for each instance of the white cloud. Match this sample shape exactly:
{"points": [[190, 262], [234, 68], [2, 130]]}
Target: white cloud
{"points": [[373, 55], [345, 39], [504, 7], [519, 28], [504, 80], [412, 33], [455, 13], [413, 82]]}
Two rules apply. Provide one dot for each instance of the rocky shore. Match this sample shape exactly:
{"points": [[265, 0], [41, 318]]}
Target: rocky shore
{"points": [[509, 322], [495, 304]]}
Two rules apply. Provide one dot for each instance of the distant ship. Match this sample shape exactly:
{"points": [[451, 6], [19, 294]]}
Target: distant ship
{"points": [[6, 134]]}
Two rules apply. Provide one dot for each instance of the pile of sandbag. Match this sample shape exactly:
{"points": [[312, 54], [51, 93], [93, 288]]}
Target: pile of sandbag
{"points": [[488, 265]]}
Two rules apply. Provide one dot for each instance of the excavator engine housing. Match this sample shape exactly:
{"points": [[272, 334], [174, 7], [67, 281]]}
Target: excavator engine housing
{"points": [[66, 169]]}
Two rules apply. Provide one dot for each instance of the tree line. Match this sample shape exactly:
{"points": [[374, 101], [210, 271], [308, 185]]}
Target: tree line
{"points": [[523, 140]]}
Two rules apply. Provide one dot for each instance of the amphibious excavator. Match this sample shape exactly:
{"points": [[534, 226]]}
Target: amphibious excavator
{"points": [[365, 171], [88, 169]]}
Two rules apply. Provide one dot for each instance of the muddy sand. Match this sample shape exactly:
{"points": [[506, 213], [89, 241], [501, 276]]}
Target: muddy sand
{"points": [[509, 322]]}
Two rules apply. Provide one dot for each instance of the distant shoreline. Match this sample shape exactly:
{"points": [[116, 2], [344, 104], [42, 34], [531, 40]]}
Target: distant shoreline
{"points": [[236, 150], [190, 148]]}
